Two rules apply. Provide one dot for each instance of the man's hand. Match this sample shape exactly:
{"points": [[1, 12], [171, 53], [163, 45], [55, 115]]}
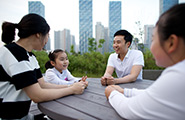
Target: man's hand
{"points": [[110, 80], [103, 81]]}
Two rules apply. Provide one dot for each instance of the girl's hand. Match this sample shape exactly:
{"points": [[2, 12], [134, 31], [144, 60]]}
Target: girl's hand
{"points": [[78, 88], [83, 78]]}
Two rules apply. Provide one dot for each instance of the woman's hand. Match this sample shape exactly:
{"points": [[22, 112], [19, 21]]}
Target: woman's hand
{"points": [[118, 88], [108, 91], [78, 88]]}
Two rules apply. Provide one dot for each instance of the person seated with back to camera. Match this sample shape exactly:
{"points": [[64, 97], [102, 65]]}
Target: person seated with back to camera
{"points": [[57, 72], [126, 63]]}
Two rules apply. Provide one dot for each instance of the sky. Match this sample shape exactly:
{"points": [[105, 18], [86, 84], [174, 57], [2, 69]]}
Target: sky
{"points": [[64, 14]]}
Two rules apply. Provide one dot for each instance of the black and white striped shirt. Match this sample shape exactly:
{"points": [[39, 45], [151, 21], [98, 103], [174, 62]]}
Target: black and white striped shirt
{"points": [[18, 69]]}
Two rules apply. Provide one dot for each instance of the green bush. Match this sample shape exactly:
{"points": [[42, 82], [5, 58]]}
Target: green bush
{"points": [[42, 58], [150, 61], [91, 64]]}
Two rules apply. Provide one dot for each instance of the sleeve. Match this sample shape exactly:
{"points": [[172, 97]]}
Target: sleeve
{"points": [[71, 78], [23, 74], [110, 61], [132, 92], [51, 77], [139, 59], [160, 101]]}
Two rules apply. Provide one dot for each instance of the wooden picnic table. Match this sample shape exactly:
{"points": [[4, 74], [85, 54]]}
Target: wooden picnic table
{"points": [[92, 104]]}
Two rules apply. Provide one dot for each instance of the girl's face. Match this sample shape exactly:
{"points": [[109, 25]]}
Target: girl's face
{"points": [[161, 57], [61, 62]]}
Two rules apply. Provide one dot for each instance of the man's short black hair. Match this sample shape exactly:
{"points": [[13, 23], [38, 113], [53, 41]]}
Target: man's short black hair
{"points": [[127, 36]]}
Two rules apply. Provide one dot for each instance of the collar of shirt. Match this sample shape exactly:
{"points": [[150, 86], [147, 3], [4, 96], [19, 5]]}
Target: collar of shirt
{"points": [[126, 56]]}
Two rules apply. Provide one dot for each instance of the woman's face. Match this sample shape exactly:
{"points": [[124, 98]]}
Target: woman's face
{"points": [[61, 62], [161, 57], [42, 41]]}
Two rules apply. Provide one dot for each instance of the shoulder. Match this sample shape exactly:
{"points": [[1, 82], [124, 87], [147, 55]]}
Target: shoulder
{"points": [[177, 68], [113, 55], [136, 52], [18, 52], [50, 71]]}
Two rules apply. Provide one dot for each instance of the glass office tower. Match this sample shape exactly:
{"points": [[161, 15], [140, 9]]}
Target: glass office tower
{"points": [[85, 24], [36, 7], [166, 4], [114, 20]]}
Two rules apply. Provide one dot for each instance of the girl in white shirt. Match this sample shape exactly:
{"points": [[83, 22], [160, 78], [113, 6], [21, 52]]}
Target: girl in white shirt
{"points": [[164, 99], [57, 72]]}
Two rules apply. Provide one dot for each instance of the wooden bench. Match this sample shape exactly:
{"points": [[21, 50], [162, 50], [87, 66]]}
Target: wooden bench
{"points": [[34, 109]]}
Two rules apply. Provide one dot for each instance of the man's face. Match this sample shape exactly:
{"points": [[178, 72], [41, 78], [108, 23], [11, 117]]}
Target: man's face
{"points": [[119, 44]]}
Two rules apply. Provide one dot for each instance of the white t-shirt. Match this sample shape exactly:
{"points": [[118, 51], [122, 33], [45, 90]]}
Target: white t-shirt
{"points": [[123, 68], [164, 99], [54, 76]]}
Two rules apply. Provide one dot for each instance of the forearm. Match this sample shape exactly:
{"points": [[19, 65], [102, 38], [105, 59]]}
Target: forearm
{"points": [[125, 79], [50, 94], [46, 85]]}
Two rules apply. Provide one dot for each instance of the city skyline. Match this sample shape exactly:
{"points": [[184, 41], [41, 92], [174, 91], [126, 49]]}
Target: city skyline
{"points": [[59, 11]]}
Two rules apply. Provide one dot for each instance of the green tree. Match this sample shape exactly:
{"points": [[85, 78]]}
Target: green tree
{"points": [[72, 51], [91, 44], [42, 58], [101, 41]]}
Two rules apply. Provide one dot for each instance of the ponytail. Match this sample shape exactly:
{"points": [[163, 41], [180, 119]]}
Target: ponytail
{"points": [[8, 32], [48, 65]]}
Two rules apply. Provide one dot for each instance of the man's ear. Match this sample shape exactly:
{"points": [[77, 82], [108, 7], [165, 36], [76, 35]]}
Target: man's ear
{"points": [[52, 63], [172, 43], [128, 44]]}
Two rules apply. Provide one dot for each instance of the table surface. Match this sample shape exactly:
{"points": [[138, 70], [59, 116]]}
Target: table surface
{"points": [[92, 104]]}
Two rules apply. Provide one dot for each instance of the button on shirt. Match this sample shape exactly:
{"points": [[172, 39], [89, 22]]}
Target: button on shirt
{"points": [[55, 77], [123, 68]]}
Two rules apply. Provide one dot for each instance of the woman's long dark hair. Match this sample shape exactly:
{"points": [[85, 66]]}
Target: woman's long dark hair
{"points": [[30, 24], [172, 22]]}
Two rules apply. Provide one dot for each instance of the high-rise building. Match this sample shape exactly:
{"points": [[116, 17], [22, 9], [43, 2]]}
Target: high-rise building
{"points": [[85, 24], [99, 28], [114, 20], [64, 40], [166, 4], [148, 29], [106, 38], [101, 33], [36, 7], [58, 43]]}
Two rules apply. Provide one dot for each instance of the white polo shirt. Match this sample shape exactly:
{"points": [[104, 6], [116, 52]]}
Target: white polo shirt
{"points": [[123, 68]]}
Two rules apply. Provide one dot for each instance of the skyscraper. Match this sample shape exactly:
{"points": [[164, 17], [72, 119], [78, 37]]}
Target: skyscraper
{"points": [[101, 33], [148, 29], [36, 7], [58, 43], [114, 20], [166, 4], [85, 24]]}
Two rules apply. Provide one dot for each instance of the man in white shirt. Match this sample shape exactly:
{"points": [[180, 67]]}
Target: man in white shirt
{"points": [[126, 63]]}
